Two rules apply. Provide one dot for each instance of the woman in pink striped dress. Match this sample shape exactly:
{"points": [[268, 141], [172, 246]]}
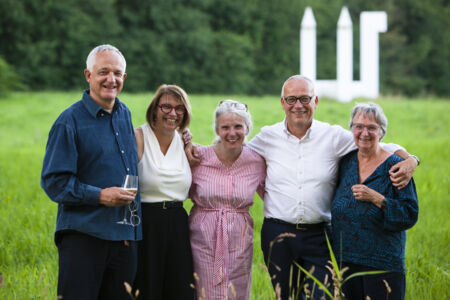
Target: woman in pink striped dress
{"points": [[223, 187]]}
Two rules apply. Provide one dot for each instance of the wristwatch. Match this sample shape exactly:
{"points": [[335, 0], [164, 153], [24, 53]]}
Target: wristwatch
{"points": [[415, 157]]}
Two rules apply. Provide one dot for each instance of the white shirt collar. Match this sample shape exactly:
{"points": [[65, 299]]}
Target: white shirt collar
{"points": [[308, 132]]}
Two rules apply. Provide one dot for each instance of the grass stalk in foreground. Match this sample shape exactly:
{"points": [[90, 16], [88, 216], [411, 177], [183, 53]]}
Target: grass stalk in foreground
{"points": [[337, 276]]}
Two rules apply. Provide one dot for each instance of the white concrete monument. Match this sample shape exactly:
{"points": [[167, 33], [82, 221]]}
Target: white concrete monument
{"points": [[344, 88]]}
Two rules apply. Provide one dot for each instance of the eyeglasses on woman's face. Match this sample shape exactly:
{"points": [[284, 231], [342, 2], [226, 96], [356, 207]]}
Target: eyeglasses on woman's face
{"points": [[358, 127], [167, 109]]}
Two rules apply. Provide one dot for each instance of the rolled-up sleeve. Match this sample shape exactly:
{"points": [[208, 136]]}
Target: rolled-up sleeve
{"points": [[59, 172]]}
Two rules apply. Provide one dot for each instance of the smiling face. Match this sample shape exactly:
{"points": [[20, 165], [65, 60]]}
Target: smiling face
{"points": [[298, 115], [366, 132], [106, 77], [232, 130], [168, 122]]}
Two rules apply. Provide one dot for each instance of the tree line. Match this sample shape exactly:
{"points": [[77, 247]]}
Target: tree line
{"points": [[215, 46]]}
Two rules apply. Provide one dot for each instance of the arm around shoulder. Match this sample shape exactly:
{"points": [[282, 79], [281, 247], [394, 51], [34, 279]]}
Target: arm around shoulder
{"points": [[139, 142], [402, 172]]}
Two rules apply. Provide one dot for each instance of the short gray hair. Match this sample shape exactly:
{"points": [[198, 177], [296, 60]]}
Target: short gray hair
{"points": [[371, 109], [299, 78], [92, 55], [231, 106]]}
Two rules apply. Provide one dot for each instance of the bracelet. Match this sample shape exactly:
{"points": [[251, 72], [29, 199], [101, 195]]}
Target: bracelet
{"points": [[415, 157]]}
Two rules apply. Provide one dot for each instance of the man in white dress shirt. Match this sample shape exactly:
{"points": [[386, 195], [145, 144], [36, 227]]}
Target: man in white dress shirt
{"points": [[302, 156]]}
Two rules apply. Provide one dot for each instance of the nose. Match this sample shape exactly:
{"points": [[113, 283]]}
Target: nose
{"points": [[111, 77], [172, 112], [298, 104], [232, 132], [365, 130]]}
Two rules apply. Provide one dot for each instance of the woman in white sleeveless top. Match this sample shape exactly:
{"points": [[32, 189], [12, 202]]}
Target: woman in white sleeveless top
{"points": [[165, 257]]}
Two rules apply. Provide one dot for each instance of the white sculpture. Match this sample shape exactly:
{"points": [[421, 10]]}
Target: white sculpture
{"points": [[344, 88]]}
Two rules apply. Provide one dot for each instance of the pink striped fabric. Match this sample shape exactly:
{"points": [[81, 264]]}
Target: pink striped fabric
{"points": [[221, 228]]}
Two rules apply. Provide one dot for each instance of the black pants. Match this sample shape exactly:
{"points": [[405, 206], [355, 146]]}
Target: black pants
{"points": [[373, 286], [308, 248], [92, 268], [165, 270]]}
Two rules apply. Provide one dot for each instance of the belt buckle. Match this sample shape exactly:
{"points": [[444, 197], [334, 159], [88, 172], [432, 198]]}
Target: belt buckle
{"points": [[164, 205], [299, 227]]}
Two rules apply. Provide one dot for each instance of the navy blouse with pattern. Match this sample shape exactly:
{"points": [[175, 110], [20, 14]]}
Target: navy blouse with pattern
{"points": [[367, 235]]}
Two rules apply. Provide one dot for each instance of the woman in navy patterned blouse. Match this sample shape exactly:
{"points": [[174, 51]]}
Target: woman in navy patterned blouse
{"points": [[369, 214]]}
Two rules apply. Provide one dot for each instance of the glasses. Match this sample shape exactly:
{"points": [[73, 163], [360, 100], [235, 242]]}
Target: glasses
{"points": [[291, 100], [237, 105], [167, 109], [130, 184], [357, 127], [135, 220]]}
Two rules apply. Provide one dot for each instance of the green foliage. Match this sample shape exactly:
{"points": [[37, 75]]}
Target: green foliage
{"points": [[219, 46], [28, 256], [8, 79]]}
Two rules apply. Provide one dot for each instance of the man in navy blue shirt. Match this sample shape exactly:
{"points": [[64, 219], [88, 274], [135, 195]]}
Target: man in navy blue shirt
{"points": [[91, 148]]}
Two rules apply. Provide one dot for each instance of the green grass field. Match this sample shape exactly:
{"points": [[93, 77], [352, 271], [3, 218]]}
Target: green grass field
{"points": [[28, 256]]}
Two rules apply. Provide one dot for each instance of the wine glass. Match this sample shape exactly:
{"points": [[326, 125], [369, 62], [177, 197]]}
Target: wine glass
{"points": [[130, 184]]}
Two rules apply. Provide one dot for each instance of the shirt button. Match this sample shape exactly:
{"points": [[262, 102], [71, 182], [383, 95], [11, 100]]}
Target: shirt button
{"points": [[102, 114], [123, 151], [128, 169], [299, 187], [117, 133]]}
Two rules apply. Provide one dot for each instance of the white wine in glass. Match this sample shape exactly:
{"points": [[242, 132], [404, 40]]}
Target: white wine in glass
{"points": [[131, 190]]}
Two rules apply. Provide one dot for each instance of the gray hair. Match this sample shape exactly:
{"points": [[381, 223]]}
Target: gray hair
{"points": [[92, 55], [232, 106], [371, 109], [299, 78]]}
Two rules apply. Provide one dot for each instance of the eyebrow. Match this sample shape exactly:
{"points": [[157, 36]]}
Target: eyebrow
{"points": [[107, 69]]}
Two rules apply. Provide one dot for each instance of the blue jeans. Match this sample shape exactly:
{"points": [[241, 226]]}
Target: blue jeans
{"points": [[308, 248]]}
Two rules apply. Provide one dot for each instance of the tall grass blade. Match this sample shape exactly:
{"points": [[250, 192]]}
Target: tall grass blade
{"points": [[317, 281]]}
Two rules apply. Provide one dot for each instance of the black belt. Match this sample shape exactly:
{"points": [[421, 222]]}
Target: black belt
{"points": [[298, 226], [164, 204]]}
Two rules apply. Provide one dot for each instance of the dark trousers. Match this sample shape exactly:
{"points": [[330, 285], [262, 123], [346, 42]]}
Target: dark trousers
{"points": [[92, 268], [373, 286], [165, 269], [308, 248]]}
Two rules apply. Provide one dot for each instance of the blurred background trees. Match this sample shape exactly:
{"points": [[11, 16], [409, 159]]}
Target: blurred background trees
{"points": [[216, 46]]}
